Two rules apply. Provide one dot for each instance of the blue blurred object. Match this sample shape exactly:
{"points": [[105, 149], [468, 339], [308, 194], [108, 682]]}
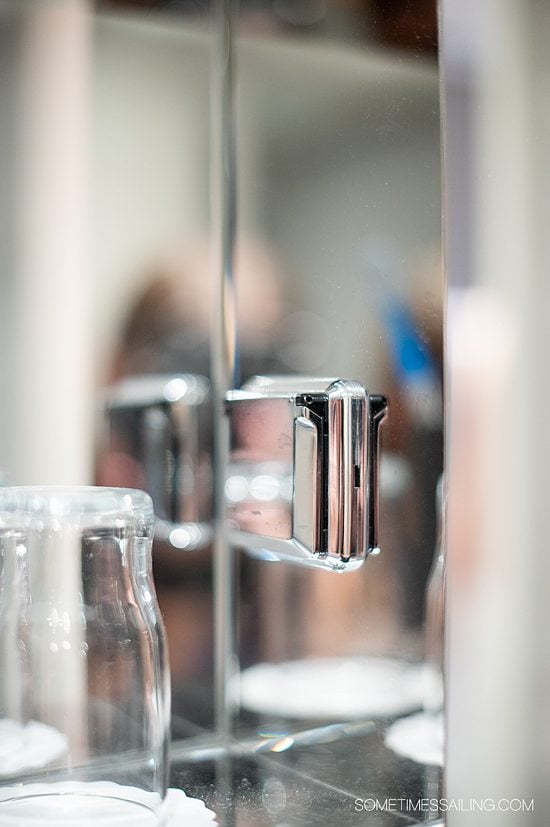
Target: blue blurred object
{"points": [[409, 353], [412, 361]]}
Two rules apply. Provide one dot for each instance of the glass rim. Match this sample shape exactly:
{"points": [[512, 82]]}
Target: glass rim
{"points": [[75, 501]]}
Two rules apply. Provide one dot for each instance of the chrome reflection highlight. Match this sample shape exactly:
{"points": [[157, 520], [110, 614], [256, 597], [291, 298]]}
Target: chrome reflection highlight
{"points": [[159, 437], [303, 470]]}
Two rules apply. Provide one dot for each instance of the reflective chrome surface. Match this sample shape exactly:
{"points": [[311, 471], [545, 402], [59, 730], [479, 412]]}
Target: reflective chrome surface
{"points": [[303, 469], [158, 439]]}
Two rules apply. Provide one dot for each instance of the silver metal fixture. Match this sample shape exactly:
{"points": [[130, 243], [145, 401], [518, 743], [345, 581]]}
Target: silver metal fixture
{"points": [[302, 482], [159, 440]]}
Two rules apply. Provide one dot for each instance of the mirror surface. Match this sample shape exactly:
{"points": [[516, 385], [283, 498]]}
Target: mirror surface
{"points": [[338, 271]]}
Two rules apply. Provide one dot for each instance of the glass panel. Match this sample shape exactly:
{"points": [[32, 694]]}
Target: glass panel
{"points": [[338, 276], [151, 228], [338, 271]]}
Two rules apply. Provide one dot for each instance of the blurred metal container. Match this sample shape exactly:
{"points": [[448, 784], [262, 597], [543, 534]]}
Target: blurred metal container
{"points": [[159, 434]]}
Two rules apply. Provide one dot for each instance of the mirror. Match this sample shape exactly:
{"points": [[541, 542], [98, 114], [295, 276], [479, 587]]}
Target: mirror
{"points": [[338, 269]]}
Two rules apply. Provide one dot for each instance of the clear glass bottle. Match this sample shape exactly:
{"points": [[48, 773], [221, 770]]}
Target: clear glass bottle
{"points": [[84, 700]]}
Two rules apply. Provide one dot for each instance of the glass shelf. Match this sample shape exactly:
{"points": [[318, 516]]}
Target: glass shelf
{"points": [[332, 780]]}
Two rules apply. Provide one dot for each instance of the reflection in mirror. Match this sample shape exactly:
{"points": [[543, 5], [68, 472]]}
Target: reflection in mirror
{"points": [[338, 169], [151, 136], [338, 274]]}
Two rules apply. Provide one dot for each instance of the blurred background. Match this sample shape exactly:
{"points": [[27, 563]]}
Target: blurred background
{"points": [[106, 257], [106, 264], [105, 239]]}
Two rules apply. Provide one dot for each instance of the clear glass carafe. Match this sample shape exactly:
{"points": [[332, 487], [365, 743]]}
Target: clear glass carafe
{"points": [[84, 703]]}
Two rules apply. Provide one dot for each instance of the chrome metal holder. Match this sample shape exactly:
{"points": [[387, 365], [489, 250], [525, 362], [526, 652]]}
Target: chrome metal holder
{"points": [[159, 440], [303, 470]]}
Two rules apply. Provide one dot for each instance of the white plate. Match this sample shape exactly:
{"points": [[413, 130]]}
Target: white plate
{"points": [[419, 737], [76, 804], [330, 688], [28, 746]]}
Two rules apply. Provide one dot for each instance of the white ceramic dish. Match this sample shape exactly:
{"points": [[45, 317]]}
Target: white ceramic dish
{"points": [[331, 688]]}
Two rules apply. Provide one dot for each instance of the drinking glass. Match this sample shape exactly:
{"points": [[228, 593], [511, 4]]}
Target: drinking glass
{"points": [[84, 682]]}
